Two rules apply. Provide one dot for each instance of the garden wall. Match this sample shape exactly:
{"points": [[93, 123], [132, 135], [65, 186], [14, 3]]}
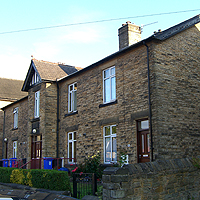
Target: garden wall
{"points": [[161, 179]]}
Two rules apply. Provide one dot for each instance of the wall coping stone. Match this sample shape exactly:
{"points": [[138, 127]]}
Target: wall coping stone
{"points": [[174, 165], [116, 170]]}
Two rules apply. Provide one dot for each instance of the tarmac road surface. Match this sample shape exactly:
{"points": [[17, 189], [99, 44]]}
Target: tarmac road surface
{"points": [[9, 191]]}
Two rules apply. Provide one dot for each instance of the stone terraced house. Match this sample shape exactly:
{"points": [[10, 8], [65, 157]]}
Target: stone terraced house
{"points": [[142, 101], [10, 91]]}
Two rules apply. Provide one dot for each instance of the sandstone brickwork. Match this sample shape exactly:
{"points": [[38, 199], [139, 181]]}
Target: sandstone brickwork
{"points": [[1, 132], [47, 119], [18, 134], [175, 95], [161, 179], [131, 95], [174, 59]]}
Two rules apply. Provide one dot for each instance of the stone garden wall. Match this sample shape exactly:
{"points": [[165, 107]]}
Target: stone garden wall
{"points": [[162, 179]]}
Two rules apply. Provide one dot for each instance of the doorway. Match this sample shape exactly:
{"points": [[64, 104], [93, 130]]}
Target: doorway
{"points": [[36, 151], [143, 141]]}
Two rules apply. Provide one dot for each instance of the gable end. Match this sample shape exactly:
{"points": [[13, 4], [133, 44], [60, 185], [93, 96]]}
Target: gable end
{"points": [[177, 28], [28, 80]]}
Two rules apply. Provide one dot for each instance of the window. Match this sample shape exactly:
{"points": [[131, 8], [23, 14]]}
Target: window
{"points": [[109, 85], [110, 144], [15, 112], [72, 99], [37, 104], [15, 149], [72, 147], [35, 79]]}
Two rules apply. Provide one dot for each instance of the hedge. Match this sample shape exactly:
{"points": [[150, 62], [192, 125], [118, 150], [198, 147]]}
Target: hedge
{"points": [[5, 173], [39, 178]]}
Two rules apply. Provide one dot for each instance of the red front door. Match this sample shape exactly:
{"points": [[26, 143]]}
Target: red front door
{"points": [[143, 141], [36, 152]]}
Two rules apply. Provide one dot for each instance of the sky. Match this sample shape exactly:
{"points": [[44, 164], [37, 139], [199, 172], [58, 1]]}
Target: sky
{"points": [[78, 43]]}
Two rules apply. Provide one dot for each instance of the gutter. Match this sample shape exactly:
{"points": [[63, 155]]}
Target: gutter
{"points": [[149, 96], [57, 125]]}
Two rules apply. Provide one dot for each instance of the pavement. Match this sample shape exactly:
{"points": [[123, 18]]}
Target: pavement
{"points": [[22, 192]]}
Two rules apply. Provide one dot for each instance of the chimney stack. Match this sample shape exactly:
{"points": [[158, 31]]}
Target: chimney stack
{"points": [[128, 34]]}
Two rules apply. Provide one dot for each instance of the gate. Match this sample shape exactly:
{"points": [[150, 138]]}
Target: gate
{"points": [[84, 184]]}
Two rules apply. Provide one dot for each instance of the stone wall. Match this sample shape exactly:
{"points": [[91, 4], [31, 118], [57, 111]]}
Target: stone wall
{"points": [[17, 134], [1, 132], [174, 82], [47, 117], [175, 96], [162, 179], [131, 104]]}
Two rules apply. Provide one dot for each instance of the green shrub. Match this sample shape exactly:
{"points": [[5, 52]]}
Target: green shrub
{"points": [[50, 179], [196, 162], [5, 173], [17, 176], [39, 178], [91, 164]]}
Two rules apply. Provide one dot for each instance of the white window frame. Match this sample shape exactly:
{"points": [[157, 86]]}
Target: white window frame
{"points": [[15, 113], [37, 104], [111, 136], [14, 149], [72, 141], [35, 79], [109, 78], [72, 97]]}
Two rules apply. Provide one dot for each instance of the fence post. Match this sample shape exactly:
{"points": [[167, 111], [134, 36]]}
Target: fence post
{"points": [[94, 183], [74, 186]]}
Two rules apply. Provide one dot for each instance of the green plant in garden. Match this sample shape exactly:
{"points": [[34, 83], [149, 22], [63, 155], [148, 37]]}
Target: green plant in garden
{"points": [[28, 179], [17, 176], [122, 157], [196, 162], [5, 173], [39, 178], [92, 164]]}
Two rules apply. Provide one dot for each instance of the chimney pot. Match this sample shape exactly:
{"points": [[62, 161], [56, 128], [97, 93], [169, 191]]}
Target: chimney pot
{"points": [[128, 34]]}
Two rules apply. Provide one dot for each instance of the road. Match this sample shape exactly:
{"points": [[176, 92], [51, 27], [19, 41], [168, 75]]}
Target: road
{"points": [[19, 192]]}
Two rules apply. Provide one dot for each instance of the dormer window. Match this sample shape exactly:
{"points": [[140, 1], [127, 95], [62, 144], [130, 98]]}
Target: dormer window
{"points": [[35, 79]]}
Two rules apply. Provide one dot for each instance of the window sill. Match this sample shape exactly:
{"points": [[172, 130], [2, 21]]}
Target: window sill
{"points": [[35, 119], [73, 113], [109, 164], [108, 104]]}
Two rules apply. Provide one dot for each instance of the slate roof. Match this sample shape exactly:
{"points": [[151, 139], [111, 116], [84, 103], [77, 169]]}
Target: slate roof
{"points": [[10, 89], [52, 71], [47, 71]]}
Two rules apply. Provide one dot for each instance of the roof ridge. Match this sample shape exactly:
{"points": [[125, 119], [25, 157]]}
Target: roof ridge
{"points": [[11, 79], [45, 61]]}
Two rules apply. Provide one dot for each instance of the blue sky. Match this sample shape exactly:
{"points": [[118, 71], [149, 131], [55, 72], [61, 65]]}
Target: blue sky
{"points": [[77, 45]]}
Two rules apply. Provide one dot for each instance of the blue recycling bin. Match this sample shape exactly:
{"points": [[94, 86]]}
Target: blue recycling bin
{"points": [[12, 162], [48, 162], [64, 169], [5, 162]]}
